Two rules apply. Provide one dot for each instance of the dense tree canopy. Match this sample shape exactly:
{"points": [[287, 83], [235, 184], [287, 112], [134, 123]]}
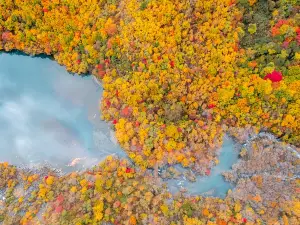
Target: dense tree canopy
{"points": [[177, 74]]}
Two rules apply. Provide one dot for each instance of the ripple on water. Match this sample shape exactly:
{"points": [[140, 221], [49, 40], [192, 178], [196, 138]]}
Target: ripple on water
{"points": [[49, 116]]}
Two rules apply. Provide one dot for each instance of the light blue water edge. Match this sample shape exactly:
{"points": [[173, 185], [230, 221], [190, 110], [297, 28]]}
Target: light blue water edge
{"points": [[214, 184], [48, 116]]}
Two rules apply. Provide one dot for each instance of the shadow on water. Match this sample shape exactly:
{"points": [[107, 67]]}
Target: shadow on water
{"points": [[17, 52], [49, 116], [41, 56]]}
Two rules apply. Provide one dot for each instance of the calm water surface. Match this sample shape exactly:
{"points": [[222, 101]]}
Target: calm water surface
{"points": [[49, 116]]}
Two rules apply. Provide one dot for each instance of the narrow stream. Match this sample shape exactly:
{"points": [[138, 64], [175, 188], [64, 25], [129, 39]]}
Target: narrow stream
{"points": [[214, 184], [48, 116]]}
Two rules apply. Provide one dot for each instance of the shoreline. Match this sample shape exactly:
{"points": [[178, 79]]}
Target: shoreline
{"points": [[96, 80], [234, 194], [237, 146]]}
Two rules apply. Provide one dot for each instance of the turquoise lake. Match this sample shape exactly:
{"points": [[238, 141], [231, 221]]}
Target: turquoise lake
{"points": [[48, 116]]}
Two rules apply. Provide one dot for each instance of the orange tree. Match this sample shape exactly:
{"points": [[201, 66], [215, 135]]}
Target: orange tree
{"points": [[176, 74]]}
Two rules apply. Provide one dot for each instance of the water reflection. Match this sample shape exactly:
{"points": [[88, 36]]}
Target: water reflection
{"points": [[50, 116]]}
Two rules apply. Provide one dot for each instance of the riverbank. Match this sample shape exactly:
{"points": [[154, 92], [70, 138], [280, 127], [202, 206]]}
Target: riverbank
{"points": [[44, 194], [50, 117], [115, 188], [177, 75], [169, 95]]}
